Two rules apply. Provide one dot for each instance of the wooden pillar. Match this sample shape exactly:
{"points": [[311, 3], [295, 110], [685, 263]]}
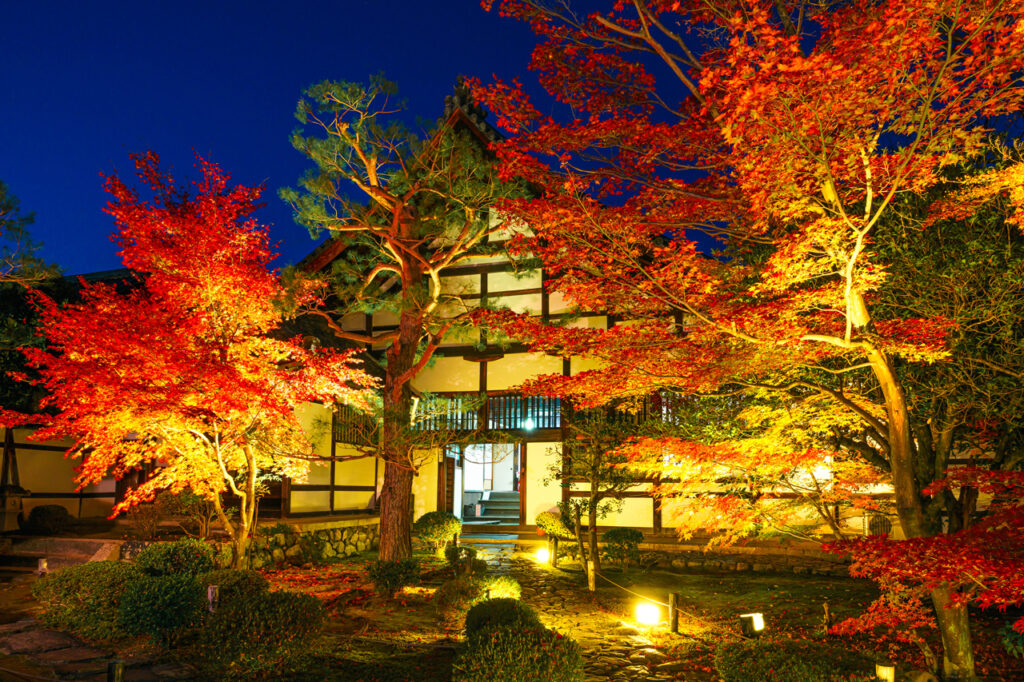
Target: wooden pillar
{"points": [[673, 613]]}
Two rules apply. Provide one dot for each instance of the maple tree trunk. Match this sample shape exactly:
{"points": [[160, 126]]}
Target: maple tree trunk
{"points": [[954, 626], [595, 554]]}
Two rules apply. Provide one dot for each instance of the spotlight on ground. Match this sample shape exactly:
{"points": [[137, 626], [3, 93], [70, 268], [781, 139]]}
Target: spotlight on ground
{"points": [[647, 613]]}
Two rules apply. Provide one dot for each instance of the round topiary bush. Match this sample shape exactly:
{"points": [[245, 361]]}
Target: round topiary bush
{"points": [[162, 606], [552, 524], [455, 597], [85, 599], [390, 576], [506, 653], [500, 613], [789, 661], [436, 529], [182, 557], [622, 544], [48, 519], [234, 584], [256, 632]]}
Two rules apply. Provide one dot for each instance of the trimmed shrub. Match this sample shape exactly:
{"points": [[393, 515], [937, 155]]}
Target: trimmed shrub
{"points": [[504, 653], [455, 597], [186, 557], [500, 613], [436, 529], [552, 524], [257, 631], [48, 519], [391, 576], [622, 545], [162, 606], [234, 584], [85, 599], [789, 661]]}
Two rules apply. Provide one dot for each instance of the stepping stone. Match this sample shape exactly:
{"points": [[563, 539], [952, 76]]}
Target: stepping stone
{"points": [[84, 669], [35, 641], [75, 654], [174, 671], [17, 626]]}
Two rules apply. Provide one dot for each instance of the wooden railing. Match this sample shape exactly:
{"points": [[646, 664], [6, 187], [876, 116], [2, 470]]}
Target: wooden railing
{"points": [[463, 412]]}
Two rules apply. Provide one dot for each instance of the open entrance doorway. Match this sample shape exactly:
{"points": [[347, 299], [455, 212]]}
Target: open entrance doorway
{"points": [[491, 477]]}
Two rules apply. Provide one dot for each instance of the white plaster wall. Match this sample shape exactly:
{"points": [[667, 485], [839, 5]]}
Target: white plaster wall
{"points": [[540, 497], [449, 374], [513, 369]]}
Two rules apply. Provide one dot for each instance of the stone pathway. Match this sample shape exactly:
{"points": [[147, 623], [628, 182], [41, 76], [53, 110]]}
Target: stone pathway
{"points": [[612, 650], [68, 658]]}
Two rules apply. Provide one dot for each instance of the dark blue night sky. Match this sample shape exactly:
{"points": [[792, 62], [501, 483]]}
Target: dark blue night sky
{"points": [[86, 83]]}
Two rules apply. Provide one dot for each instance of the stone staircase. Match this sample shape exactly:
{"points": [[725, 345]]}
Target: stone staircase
{"points": [[499, 509], [20, 556]]}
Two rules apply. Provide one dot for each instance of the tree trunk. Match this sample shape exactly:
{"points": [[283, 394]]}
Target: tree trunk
{"points": [[952, 621], [395, 444], [396, 513], [595, 553], [955, 629]]}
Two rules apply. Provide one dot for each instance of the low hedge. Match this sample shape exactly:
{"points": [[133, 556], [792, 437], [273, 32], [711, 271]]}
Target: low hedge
{"points": [[500, 613], [506, 653], [85, 599], [181, 557], [234, 584], [790, 661], [254, 633], [162, 607]]}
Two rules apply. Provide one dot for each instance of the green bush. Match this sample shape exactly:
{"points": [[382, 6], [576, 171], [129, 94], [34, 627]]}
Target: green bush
{"points": [[391, 576], [500, 613], [436, 529], [504, 653], [48, 519], [622, 545], [789, 661], [255, 632], [1013, 641], [455, 597], [234, 584], [162, 606], [554, 525], [180, 558], [84, 599]]}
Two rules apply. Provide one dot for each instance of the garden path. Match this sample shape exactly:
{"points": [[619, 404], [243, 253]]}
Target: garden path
{"points": [[613, 649]]}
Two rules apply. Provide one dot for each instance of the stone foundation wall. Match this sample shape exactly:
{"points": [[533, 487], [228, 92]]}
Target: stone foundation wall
{"points": [[299, 542]]}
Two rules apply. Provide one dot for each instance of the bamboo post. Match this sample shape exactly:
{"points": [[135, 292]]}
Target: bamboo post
{"points": [[591, 577], [673, 612]]}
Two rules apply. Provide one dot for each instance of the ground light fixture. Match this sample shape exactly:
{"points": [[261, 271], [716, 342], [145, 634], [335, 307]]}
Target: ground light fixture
{"points": [[751, 624], [543, 555], [647, 613], [885, 672]]}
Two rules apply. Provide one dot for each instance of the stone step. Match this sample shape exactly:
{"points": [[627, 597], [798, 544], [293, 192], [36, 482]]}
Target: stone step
{"points": [[501, 504], [503, 495]]}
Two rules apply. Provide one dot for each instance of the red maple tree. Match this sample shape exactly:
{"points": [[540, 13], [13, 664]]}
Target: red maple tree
{"points": [[184, 370], [785, 133]]}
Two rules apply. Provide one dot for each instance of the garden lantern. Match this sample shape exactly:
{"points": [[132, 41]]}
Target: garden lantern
{"points": [[885, 672], [543, 555], [647, 613], [751, 624]]}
